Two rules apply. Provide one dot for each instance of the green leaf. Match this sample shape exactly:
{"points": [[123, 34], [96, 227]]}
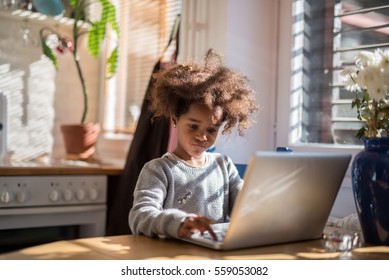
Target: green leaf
{"points": [[48, 52], [109, 14], [97, 32], [366, 96], [112, 62], [73, 3], [360, 132], [95, 37]]}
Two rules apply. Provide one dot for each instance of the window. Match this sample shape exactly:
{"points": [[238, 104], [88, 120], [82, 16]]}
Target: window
{"points": [[327, 35], [145, 28]]}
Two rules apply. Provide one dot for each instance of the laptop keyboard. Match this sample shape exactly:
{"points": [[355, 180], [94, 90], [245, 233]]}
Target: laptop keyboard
{"points": [[220, 235], [219, 229]]}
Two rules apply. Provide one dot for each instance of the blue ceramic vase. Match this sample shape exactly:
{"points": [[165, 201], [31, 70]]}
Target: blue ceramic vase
{"points": [[370, 182]]}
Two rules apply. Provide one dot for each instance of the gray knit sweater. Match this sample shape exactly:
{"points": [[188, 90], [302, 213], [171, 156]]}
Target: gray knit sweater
{"points": [[169, 190]]}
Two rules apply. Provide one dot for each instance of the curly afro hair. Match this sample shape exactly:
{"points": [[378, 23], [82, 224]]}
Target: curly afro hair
{"points": [[211, 84]]}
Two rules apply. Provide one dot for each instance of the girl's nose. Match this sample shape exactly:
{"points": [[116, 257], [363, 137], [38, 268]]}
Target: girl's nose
{"points": [[201, 136]]}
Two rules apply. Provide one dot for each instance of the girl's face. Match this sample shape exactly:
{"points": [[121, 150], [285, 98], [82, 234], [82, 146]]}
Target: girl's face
{"points": [[197, 131]]}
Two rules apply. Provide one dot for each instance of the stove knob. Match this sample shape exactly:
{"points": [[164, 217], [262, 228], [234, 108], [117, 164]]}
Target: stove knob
{"points": [[54, 195], [6, 197], [80, 195], [21, 196], [93, 194], [67, 195]]}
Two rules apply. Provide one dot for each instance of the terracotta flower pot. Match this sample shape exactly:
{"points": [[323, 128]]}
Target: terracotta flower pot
{"points": [[80, 140]]}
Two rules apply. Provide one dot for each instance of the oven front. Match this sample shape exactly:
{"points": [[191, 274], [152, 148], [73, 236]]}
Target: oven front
{"points": [[40, 209]]}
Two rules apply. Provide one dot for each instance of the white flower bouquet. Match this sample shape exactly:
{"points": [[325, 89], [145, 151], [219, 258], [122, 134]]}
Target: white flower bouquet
{"points": [[370, 76]]}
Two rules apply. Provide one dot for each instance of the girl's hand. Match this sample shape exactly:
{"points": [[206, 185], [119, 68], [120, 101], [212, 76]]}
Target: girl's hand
{"points": [[196, 223]]}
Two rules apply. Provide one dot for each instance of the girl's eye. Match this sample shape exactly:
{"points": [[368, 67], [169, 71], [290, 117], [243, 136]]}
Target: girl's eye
{"points": [[211, 131], [193, 126]]}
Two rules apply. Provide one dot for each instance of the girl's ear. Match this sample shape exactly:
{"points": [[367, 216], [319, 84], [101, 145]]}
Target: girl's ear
{"points": [[173, 120]]}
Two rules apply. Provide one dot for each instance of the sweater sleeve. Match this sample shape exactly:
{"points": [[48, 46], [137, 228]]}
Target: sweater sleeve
{"points": [[235, 183], [147, 215]]}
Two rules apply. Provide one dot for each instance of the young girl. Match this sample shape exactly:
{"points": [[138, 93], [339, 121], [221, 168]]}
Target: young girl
{"points": [[189, 189]]}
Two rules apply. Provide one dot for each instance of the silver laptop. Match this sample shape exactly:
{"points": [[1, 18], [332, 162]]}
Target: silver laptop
{"points": [[286, 197]]}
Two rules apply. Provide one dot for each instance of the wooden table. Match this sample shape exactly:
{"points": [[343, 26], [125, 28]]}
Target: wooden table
{"points": [[59, 167], [132, 247]]}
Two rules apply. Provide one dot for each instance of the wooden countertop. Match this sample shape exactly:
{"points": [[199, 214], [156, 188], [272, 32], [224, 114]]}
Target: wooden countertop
{"points": [[133, 247], [59, 167]]}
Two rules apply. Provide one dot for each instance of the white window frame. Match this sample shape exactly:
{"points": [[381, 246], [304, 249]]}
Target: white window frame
{"points": [[344, 204], [284, 87]]}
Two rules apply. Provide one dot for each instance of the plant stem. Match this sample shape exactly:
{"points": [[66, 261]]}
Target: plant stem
{"points": [[77, 62], [84, 92], [376, 111]]}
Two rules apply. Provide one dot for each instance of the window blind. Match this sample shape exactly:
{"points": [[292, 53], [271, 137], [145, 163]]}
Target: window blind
{"points": [[357, 21], [327, 36], [145, 27], [358, 25]]}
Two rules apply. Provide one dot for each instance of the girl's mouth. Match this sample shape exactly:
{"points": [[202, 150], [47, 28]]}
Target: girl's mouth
{"points": [[201, 146]]}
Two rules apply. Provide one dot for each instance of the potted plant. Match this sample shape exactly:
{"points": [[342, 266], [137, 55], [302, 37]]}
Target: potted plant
{"points": [[369, 80], [53, 42]]}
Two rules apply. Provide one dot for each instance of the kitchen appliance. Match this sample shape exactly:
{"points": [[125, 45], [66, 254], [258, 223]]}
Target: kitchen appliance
{"points": [[40, 209]]}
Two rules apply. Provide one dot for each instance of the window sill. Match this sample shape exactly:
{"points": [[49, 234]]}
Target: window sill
{"points": [[113, 147]]}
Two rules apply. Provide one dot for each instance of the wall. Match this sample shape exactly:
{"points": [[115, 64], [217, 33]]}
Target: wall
{"points": [[226, 26], [252, 48], [68, 96], [245, 32], [255, 36]]}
